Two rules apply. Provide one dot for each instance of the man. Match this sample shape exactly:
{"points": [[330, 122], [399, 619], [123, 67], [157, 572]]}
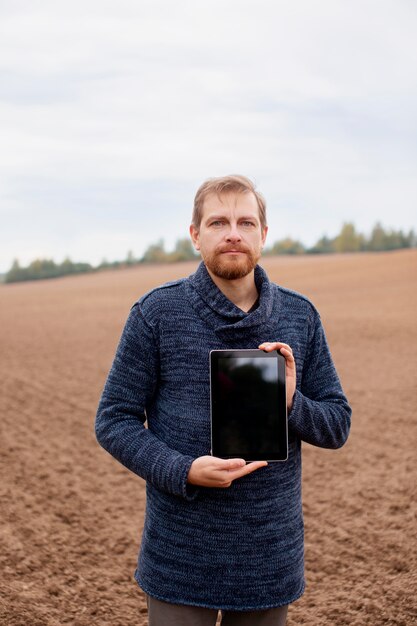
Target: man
{"points": [[218, 534]]}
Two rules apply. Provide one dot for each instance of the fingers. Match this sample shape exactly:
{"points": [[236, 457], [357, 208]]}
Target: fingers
{"points": [[252, 467], [238, 466], [284, 348], [208, 471], [227, 478], [231, 469], [229, 464], [291, 375]]}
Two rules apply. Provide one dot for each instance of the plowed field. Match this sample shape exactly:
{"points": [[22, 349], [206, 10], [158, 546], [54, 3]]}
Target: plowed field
{"points": [[71, 517]]}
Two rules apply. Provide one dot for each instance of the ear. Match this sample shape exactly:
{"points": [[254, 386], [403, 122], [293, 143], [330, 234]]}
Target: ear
{"points": [[264, 233], [195, 236]]}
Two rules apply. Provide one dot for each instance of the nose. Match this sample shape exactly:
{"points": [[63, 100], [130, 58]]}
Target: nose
{"points": [[233, 234]]}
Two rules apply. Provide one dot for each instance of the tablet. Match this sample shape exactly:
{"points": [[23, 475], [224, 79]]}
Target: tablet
{"points": [[248, 405]]}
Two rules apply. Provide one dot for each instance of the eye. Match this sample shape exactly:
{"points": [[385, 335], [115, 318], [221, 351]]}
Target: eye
{"points": [[248, 223], [216, 223]]}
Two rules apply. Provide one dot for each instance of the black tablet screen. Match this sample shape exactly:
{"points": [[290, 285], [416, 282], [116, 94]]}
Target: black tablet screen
{"points": [[249, 418]]}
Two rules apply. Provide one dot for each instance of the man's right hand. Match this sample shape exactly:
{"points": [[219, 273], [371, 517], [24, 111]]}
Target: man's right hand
{"points": [[210, 471]]}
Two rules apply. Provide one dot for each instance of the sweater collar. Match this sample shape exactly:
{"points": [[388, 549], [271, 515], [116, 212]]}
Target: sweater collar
{"points": [[224, 317]]}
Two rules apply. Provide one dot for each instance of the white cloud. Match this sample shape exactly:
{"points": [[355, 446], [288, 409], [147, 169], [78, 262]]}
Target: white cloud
{"points": [[101, 101]]}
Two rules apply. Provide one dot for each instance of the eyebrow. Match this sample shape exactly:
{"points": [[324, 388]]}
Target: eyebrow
{"points": [[216, 216]]}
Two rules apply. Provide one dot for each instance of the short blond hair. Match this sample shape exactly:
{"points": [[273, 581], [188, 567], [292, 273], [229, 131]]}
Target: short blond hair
{"points": [[224, 184]]}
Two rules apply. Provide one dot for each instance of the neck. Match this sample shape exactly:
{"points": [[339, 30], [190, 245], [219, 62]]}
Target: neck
{"points": [[241, 291]]}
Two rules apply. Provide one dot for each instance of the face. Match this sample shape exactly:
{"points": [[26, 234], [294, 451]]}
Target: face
{"points": [[230, 237]]}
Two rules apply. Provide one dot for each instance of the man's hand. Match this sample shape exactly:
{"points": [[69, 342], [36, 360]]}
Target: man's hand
{"points": [[286, 351], [210, 471]]}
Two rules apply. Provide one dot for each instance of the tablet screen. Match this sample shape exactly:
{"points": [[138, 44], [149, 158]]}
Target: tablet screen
{"points": [[248, 405]]}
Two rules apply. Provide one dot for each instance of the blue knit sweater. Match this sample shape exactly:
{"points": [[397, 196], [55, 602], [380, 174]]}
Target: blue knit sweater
{"points": [[240, 548]]}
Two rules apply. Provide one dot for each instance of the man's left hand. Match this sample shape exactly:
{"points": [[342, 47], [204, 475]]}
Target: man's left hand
{"points": [[286, 352]]}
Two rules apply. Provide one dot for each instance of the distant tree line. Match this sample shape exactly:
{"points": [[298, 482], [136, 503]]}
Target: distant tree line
{"points": [[348, 240], [47, 268], [44, 268]]}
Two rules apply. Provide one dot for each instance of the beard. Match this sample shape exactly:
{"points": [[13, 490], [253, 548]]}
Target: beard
{"points": [[230, 267]]}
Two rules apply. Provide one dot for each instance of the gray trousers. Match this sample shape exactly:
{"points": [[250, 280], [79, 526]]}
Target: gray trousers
{"points": [[166, 614]]}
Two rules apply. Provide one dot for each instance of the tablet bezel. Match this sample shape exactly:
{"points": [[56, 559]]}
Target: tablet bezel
{"points": [[278, 454]]}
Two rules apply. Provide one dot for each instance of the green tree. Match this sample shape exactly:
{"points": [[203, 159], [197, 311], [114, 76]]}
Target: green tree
{"points": [[382, 239], [44, 268], [323, 246], [286, 246], [66, 267], [130, 258], [15, 273], [104, 264], [348, 240], [378, 239], [155, 253], [183, 251], [41, 268]]}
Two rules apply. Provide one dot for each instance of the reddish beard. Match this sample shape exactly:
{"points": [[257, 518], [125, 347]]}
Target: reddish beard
{"points": [[231, 267]]}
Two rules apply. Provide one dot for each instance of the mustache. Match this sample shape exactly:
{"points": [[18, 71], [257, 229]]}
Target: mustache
{"points": [[234, 248]]}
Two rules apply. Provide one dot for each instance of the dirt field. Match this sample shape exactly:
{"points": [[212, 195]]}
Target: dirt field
{"points": [[72, 517]]}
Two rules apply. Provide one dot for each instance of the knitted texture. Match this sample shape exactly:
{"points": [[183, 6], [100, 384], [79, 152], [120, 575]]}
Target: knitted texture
{"points": [[240, 548]]}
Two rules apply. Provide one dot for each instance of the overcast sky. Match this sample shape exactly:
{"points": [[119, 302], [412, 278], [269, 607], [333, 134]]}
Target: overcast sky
{"points": [[112, 114]]}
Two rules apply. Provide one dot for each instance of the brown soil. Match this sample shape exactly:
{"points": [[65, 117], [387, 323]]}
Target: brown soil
{"points": [[72, 516]]}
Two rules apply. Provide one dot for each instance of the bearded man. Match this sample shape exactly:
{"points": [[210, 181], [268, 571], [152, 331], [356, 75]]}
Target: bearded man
{"points": [[219, 534]]}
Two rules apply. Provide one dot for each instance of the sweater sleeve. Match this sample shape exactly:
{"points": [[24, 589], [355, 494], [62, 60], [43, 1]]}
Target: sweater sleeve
{"points": [[320, 414], [121, 415]]}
